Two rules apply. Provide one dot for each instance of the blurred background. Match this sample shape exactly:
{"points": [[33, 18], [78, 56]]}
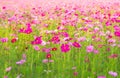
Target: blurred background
{"points": [[17, 4]]}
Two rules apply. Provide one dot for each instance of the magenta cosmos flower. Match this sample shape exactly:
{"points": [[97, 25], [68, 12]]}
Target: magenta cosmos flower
{"points": [[77, 45], [65, 48], [38, 40], [3, 40], [55, 39], [117, 33]]}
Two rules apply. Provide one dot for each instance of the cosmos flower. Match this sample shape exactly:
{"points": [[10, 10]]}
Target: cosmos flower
{"points": [[47, 50], [54, 49], [36, 48], [75, 73], [8, 69], [81, 39], [55, 39], [38, 40], [117, 33], [28, 30], [113, 73], [5, 76], [96, 51], [45, 61], [90, 48], [4, 40], [65, 48], [21, 62], [77, 45], [113, 56], [65, 34], [101, 77], [48, 55], [14, 40]]}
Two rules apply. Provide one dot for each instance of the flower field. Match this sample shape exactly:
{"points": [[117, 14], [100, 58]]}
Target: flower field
{"points": [[66, 40]]}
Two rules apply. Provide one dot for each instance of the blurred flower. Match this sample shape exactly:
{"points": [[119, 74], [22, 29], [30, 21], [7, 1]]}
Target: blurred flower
{"points": [[36, 48], [101, 77], [48, 56], [81, 39], [55, 39], [3, 7], [47, 50], [38, 40], [45, 61], [43, 43], [8, 69], [96, 51], [24, 56], [113, 73], [51, 61], [19, 76], [13, 40], [4, 40], [54, 49], [90, 48], [113, 56], [111, 41], [73, 68], [65, 34], [75, 73], [117, 33], [77, 45], [21, 62], [65, 48], [5, 77]]}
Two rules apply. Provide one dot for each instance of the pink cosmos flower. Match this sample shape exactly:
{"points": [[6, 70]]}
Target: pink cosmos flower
{"points": [[101, 77], [55, 39], [117, 28], [81, 39], [43, 43], [65, 48], [113, 56], [21, 62], [77, 45], [108, 23], [24, 56], [5, 77], [45, 61], [47, 50], [113, 73], [4, 40], [51, 61], [111, 41], [8, 69], [96, 51], [65, 34], [90, 48], [36, 48]]}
